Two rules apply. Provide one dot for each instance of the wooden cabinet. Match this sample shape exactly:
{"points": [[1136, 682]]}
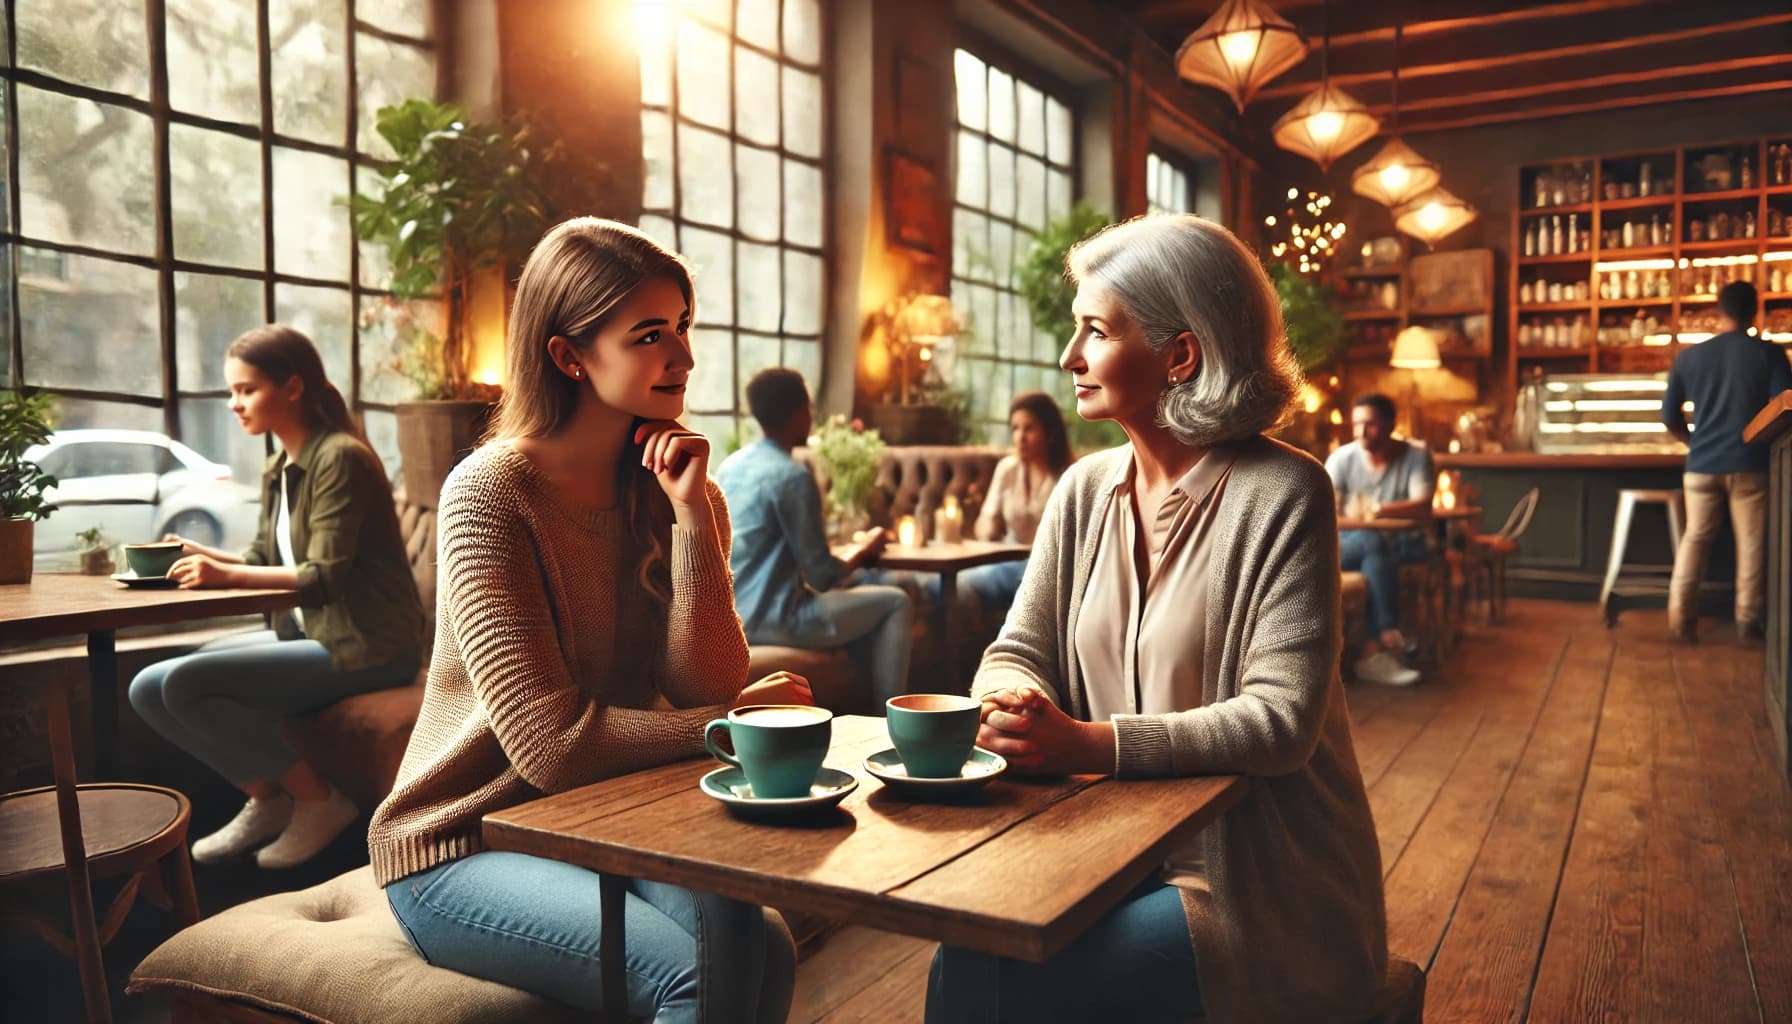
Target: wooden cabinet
{"points": [[1618, 258]]}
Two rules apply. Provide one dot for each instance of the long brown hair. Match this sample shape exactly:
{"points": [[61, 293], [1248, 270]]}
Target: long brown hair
{"points": [[1044, 408], [580, 271], [282, 353]]}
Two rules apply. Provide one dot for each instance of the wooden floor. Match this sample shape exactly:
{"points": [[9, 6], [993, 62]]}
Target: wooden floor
{"points": [[1576, 825]]}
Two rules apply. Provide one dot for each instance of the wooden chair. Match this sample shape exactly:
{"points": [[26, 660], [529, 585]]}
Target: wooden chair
{"points": [[84, 832], [1484, 557]]}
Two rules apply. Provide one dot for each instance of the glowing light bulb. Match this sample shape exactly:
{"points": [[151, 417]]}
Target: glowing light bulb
{"points": [[1325, 125], [1238, 48], [1431, 217], [1394, 178]]}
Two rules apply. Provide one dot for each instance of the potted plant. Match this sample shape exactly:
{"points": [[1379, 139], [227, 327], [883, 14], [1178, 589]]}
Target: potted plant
{"points": [[1048, 295], [96, 554], [24, 422], [849, 454], [1310, 317], [459, 198]]}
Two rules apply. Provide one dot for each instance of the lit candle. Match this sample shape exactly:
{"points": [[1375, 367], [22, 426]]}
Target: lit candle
{"points": [[948, 522], [907, 532]]}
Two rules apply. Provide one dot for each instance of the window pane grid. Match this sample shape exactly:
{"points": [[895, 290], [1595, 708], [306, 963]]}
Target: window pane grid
{"points": [[243, 83], [1169, 186], [1014, 172], [737, 190]]}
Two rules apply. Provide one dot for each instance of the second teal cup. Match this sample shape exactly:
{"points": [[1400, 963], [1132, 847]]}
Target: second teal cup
{"points": [[779, 747], [933, 732]]}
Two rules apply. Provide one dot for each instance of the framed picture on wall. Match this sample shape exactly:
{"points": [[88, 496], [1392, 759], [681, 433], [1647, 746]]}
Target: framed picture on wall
{"points": [[911, 203]]}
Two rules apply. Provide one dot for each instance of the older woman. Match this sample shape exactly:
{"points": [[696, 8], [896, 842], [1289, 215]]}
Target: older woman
{"points": [[1180, 617]]}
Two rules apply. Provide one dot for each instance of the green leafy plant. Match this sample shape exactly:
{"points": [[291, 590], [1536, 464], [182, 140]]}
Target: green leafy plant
{"points": [[1040, 276], [25, 421], [1309, 315], [850, 453], [92, 537], [458, 198]]}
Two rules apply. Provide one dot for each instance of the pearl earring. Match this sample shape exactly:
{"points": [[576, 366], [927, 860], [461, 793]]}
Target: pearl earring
{"points": [[1174, 380]]}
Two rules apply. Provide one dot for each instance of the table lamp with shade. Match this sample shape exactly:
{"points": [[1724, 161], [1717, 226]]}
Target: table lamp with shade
{"points": [[1415, 349], [922, 323]]}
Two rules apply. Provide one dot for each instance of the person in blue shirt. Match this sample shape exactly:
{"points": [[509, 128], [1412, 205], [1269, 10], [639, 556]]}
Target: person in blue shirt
{"points": [[787, 583], [1727, 379], [1379, 474]]}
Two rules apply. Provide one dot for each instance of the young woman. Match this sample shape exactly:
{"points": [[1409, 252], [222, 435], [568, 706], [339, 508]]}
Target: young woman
{"points": [[586, 629], [328, 530], [1018, 490], [1182, 619]]}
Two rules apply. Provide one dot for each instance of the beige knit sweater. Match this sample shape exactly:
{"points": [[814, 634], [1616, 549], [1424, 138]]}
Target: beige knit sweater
{"points": [[548, 673], [1290, 925]]}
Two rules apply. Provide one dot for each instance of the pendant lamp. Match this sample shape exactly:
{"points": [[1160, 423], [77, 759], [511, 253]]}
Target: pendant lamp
{"points": [[1433, 215], [1329, 122], [1239, 49], [1396, 174]]}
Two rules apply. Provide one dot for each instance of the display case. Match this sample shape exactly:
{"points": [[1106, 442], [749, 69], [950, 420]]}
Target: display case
{"points": [[1599, 414]]}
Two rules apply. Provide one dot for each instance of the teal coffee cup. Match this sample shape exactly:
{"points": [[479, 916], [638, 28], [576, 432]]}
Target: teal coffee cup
{"points": [[779, 747], [152, 560], [933, 732]]}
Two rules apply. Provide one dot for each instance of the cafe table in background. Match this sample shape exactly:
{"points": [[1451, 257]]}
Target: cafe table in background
{"points": [[1017, 870], [949, 560]]}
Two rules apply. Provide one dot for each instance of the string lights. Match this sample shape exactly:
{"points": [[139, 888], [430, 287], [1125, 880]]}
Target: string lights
{"points": [[1308, 236]]}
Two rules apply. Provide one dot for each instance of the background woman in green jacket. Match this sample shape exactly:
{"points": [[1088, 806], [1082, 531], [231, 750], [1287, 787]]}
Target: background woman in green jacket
{"points": [[328, 531]]}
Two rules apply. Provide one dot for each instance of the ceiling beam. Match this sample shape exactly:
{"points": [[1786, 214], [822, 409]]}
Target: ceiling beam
{"points": [[1360, 69], [1612, 99]]}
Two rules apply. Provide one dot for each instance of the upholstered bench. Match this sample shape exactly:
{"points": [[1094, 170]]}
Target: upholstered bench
{"points": [[334, 954]]}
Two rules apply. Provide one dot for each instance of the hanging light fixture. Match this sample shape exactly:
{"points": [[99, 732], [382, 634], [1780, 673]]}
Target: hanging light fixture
{"points": [[1243, 46], [1397, 173], [1329, 122], [1433, 215]]}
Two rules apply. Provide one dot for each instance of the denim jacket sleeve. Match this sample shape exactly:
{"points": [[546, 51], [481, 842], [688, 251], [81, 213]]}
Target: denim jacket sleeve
{"points": [[799, 513]]}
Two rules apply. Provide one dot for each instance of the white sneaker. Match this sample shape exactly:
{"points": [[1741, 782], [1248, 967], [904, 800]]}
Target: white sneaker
{"points": [[1381, 667], [314, 824], [260, 820]]}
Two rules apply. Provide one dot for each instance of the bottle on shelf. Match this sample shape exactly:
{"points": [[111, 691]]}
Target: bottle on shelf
{"points": [[1748, 169], [1556, 244], [1524, 293], [1541, 183], [1632, 287], [1645, 184], [1748, 225], [1776, 281], [1655, 231], [1530, 238]]}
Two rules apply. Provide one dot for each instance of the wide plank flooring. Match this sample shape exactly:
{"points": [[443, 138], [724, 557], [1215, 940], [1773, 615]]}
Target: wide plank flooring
{"points": [[1576, 825]]}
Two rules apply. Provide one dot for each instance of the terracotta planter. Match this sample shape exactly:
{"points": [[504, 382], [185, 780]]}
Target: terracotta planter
{"points": [[432, 438], [15, 550]]}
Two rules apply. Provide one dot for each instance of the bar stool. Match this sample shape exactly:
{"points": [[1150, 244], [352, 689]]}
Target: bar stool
{"points": [[1651, 578]]}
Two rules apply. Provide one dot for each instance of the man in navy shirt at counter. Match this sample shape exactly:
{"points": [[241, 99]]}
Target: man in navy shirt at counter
{"points": [[1727, 379]]}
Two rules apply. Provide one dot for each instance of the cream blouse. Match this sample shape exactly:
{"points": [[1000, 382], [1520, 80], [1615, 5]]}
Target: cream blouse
{"points": [[1017, 497], [1140, 646]]}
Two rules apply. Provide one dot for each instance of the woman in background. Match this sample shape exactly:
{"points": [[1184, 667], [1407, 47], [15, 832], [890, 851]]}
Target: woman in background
{"points": [[1018, 490], [328, 531]]}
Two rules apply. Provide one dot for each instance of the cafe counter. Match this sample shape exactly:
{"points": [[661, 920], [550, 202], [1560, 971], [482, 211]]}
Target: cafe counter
{"points": [[1563, 553]]}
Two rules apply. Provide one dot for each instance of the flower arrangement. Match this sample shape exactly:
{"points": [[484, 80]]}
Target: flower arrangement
{"points": [[850, 453]]}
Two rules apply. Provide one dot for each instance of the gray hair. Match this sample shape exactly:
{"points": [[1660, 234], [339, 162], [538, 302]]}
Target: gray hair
{"points": [[1176, 272]]}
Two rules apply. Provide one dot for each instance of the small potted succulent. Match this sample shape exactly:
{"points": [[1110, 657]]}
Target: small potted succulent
{"points": [[96, 553], [24, 423]]}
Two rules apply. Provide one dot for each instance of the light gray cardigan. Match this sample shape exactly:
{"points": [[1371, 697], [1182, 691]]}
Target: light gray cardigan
{"points": [[1291, 925]]}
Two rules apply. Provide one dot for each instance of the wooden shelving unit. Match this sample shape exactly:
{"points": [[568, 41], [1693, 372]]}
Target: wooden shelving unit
{"points": [[1671, 206], [1372, 327]]}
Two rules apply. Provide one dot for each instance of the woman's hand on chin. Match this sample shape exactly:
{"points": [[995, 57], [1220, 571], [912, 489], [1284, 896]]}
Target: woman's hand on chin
{"points": [[777, 688], [678, 458]]}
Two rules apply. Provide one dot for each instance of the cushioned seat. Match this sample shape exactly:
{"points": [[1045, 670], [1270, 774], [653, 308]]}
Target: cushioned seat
{"points": [[331, 953]]}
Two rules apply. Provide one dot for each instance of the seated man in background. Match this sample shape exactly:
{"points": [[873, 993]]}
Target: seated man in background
{"points": [[785, 577], [1379, 474]]}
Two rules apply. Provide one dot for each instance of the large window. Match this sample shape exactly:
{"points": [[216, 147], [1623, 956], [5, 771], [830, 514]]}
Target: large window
{"points": [[171, 184], [1016, 165], [733, 135]]}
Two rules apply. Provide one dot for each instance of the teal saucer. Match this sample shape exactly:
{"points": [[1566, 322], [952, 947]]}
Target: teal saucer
{"points": [[730, 786], [131, 579], [886, 765]]}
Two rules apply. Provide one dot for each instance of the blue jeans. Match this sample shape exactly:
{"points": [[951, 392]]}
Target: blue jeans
{"points": [[1134, 964], [224, 702], [995, 585], [532, 923], [872, 622], [1378, 555]]}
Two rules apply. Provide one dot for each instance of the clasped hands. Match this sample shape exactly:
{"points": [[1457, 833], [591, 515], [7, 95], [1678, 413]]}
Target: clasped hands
{"points": [[1036, 737]]}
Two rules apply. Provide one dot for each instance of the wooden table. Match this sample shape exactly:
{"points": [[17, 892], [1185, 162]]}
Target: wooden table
{"points": [[1019, 871], [1385, 525], [54, 605], [949, 560]]}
